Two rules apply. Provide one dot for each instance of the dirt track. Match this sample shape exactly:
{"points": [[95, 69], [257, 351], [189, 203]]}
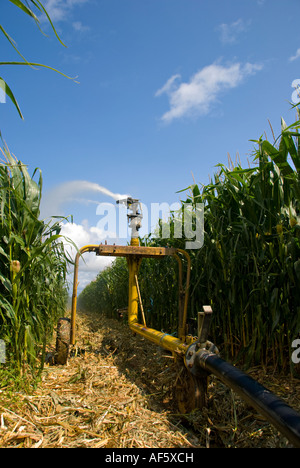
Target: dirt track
{"points": [[116, 392]]}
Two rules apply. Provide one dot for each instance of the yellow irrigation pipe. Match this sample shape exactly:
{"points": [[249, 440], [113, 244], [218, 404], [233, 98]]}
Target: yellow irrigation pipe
{"points": [[164, 340], [134, 255]]}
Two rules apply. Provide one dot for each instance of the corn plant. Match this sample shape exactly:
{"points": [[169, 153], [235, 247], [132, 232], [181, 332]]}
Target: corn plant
{"points": [[248, 269], [33, 266]]}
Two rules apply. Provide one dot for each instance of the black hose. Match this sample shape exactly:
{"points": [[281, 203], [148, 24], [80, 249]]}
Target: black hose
{"points": [[276, 411]]}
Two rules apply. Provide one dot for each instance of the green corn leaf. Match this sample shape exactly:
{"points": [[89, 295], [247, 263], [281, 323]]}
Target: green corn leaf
{"points": [[16, 181], [6, 283], [24, 8], [4, 86], [12, 43], [8, 308], [184, 190], [31, 192], [297, 269], [41, 7], [291, 148], [40, 65], [3, 253], [279, 157]]}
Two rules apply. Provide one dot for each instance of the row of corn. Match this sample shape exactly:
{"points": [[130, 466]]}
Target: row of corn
{"points": [[33, 268]]}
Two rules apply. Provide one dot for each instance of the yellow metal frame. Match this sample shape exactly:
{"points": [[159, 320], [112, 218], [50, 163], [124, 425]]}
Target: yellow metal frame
{"points": [[134, 254]]}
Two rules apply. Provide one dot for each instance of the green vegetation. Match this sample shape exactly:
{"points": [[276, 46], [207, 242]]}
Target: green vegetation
{"points": [[249, 267], [33, 268], [110, 290], [32, 8]]}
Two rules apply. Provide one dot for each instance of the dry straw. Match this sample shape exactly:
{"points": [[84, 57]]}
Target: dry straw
{"points": [[116, 392]]}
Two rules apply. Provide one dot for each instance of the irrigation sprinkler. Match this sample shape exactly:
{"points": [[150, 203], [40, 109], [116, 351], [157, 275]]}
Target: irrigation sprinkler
{"points": [[197, 357]]}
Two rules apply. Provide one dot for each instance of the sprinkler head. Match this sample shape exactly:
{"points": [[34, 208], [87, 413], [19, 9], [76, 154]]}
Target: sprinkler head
{"points": [[134, 214]]}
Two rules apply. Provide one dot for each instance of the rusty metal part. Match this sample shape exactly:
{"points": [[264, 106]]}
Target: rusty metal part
{"points": [[204, 321], [182, 325], [134, 250], [181, 296], [62, 341], [191, 354], [190, 392]]}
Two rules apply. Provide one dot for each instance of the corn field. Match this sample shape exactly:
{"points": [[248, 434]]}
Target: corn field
{"points": [[33, 268], [248, 269]]}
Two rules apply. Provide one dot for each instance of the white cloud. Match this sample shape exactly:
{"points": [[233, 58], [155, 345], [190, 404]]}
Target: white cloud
{"points": [[59, 10], [296, 56], [167, 88], [197, 96], [90, 264], [230, 32], [79, 27]]}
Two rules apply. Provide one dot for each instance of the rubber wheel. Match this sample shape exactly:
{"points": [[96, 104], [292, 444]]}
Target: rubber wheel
{"points": [[62, 341]]}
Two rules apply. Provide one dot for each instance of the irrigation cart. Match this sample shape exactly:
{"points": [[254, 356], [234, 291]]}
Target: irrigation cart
{"points": [[197, 357]]}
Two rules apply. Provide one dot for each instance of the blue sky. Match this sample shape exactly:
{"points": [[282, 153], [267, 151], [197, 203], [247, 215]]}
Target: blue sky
{"points": [[167, 88]]}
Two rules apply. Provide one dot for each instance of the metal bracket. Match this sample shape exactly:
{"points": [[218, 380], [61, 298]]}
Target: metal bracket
{"points": [[202, 344], [136, 215], [196, 348], [204, 321]]}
